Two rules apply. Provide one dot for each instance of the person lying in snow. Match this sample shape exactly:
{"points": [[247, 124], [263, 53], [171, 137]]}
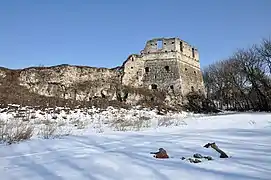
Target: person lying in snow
{"points": [[215, 147], [197, 158], [161, 154]]}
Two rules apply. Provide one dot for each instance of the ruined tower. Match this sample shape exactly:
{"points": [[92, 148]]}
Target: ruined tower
{"points": [[169, 64]]}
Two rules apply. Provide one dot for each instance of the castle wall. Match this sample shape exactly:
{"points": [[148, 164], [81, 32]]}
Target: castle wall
{"points": [[185, 49], [160, 45], [183, 72], [133, 71], [163, 73], [189, 61], [191, 78], [159, 55]]}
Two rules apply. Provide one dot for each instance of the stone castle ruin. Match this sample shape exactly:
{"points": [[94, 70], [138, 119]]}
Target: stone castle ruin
{"points": [[167, 64]]}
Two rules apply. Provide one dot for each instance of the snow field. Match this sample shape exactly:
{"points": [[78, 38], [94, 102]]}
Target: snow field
{"points": [[89, 153]]}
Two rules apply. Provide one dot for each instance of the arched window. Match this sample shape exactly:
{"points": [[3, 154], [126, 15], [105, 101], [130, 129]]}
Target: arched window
{"points": [[147, 69]]}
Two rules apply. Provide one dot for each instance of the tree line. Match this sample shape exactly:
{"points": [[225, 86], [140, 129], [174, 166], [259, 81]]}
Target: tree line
{"points": [[243, 80]]}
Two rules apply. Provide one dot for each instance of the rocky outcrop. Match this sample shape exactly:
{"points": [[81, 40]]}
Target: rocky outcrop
{"points": [[57, 85], [71, 82]]}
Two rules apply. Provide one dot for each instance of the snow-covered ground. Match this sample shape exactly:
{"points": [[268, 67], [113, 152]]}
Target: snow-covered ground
{"points": [[62, 121], [108, 154]]}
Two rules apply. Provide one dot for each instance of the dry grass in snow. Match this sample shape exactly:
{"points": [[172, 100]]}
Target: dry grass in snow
{"points": [[22, 123]]}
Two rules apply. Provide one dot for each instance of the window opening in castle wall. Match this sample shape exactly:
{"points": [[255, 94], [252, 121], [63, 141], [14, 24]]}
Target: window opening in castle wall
{"points": [[181, 46], [159, 44], [167, 68], [192, 88], [153, 86]]}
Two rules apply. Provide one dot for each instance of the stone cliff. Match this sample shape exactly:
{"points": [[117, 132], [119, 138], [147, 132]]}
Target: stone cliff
{"points": [[66, 83], [71, 82]]}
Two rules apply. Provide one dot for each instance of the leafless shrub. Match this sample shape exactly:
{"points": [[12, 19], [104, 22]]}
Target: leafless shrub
{"points": [[42, 113], [26, 119], [61, 123], [169, 121], [165, 121], [33, 116], [19, 115], [120, 124], [90, 113], [46, 122], [196, 102], [135, 123], [48, 131], [100, 130], [138, 124], [54, 116], [54, 130], [63, 131], [57, 111], [99, 127], [15, 131], [144, 118], [79, 124]]}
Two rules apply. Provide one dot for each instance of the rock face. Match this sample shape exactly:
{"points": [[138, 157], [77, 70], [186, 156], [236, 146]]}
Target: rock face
{"points": [[76, 83], [71, 82], [172, 70]]}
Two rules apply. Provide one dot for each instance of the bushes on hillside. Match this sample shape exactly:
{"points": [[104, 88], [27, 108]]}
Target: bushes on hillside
{"points": [[198, 103]]}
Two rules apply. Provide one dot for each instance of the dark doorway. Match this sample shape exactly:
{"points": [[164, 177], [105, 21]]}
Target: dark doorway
{"points": [[167, 68]]}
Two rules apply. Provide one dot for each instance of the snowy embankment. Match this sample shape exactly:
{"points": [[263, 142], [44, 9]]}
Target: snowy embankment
{"points": [[51, 122], [86, 154]]}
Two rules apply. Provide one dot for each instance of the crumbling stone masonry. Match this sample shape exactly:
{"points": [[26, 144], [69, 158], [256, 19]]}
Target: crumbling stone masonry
{"points": [[171, 65], [168, 64]]}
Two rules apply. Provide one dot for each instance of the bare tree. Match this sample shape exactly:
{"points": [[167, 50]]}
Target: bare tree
{"points": [[242, 81]]}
